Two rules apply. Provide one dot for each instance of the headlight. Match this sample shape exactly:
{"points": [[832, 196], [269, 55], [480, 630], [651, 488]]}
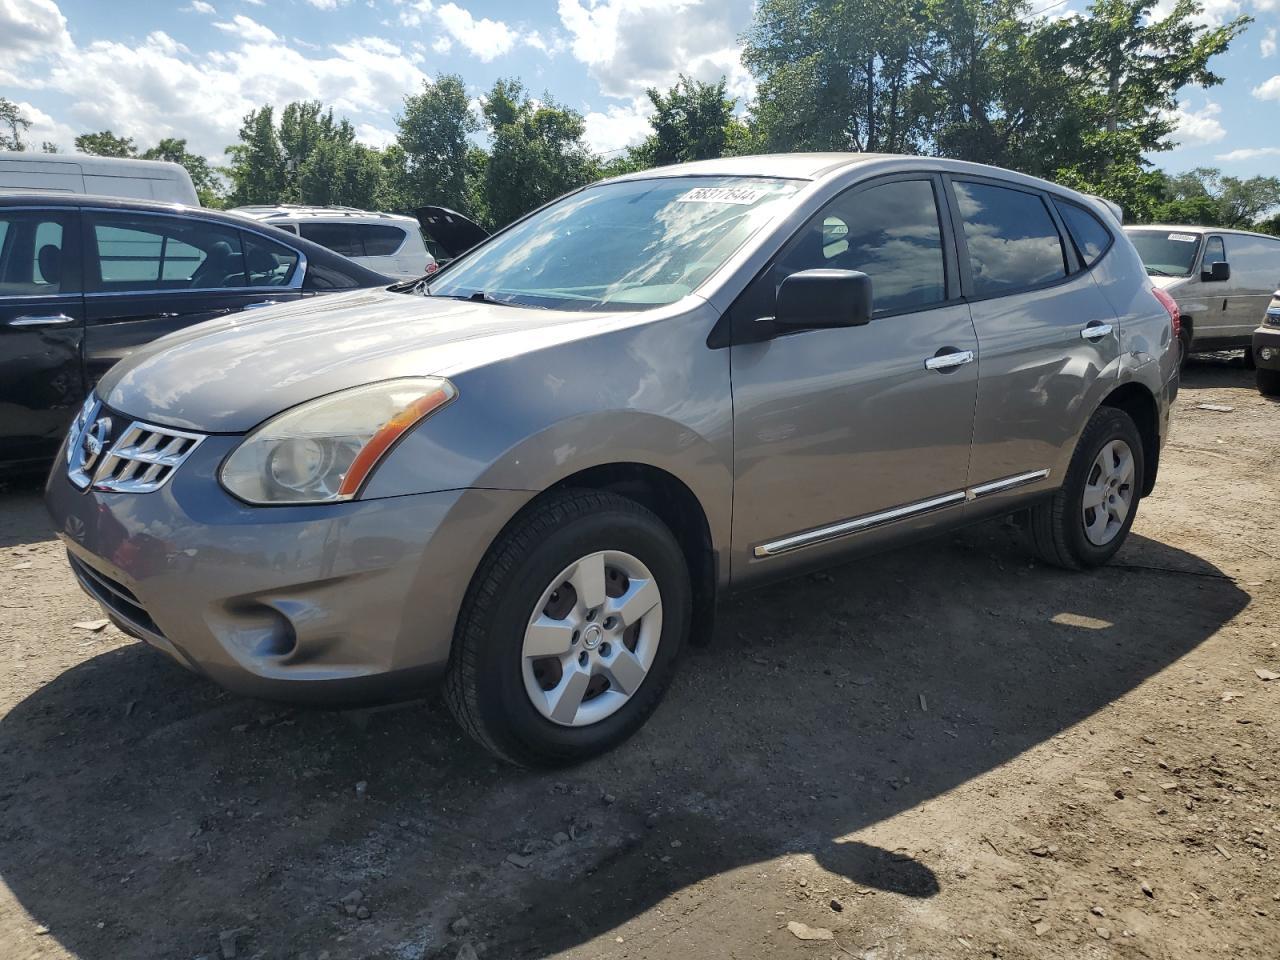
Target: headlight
{"points": [[324, 450]]}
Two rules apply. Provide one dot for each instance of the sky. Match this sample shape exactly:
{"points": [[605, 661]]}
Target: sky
{"points": [[194, 68]]}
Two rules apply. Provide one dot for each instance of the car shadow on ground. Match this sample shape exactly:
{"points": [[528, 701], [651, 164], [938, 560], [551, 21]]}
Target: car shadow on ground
{"points": [[143, 811]]}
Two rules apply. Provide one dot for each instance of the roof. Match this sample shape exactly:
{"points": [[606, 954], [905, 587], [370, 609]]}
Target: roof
{"points": [[796, 166], [294, 211], [1195, 228]]}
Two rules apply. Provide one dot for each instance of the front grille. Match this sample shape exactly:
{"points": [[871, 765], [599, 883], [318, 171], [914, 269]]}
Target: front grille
{"points": [[113, 595], [139, 459]]}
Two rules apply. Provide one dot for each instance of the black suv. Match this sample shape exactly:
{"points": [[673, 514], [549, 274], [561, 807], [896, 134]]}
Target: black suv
{"points": [[85, 280]]}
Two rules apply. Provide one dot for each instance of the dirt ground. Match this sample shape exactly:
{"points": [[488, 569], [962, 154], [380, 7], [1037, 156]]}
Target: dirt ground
{"points": [[946, 751]]}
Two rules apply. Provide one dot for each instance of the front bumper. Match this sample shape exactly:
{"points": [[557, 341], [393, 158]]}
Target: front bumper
{"points": [[1267, 338], [339, 603]]}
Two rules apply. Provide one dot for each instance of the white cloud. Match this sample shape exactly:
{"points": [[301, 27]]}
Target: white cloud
{"points": [[247, 29], [199, 6], [1268, 90], [159, 88], [375, 136], [1248, 153], [31, 28], [442, 44], [629, 45], [618, 126], [1197, 126], [327, 4], [45, 129], [484, 38], [1268, 43], [1213, 13]]}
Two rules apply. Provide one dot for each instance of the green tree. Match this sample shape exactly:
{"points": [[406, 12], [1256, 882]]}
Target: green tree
{"points": [[536, 152], [257, 169], [1204, 196], [341, 174], [305, 127], [692, 121], [104, 143], [434, 135], [1126, 68], [12, 126], [209, 185]]}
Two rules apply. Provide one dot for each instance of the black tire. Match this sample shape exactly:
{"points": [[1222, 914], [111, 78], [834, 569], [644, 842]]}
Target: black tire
{"points": [[485, 688], [1268, 382], [1184, 347], [1057, 528]]}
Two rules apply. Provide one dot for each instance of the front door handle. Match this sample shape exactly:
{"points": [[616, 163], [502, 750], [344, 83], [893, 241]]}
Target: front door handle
{"points": [[1095, 331], [42, 320], [945, 361]]}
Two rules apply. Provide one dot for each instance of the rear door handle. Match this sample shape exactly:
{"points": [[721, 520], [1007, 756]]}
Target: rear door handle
{"points": [[1095, 331], [945, 361], [42, 320]]}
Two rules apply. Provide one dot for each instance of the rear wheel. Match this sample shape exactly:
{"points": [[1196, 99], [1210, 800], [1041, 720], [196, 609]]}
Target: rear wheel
{"points": [[1184, 347], [569, 633], [1268, 382], [1087, 520]]}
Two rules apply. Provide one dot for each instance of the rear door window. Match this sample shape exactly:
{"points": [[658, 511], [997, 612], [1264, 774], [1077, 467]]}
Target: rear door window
{"points": [[1011, 237], [146, 253], [270, 264]]}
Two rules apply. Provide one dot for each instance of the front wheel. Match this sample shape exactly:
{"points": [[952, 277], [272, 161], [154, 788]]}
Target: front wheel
{"points": [[1268, 382], [570, 630], [1085, 522]]}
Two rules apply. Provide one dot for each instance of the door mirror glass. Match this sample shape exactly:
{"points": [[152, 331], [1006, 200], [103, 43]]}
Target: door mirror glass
{"points": [[1216, 272], [824, 298]]}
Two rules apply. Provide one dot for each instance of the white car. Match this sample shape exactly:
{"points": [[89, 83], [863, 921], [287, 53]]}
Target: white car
{"points": [[385, 242]]}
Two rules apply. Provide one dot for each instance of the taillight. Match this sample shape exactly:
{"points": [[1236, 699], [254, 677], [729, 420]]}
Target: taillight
{"points": [[1170, 304]]}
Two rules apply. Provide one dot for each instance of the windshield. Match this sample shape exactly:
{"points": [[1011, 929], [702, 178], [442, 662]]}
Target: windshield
{"points": [[1166, 253], [619, 246]]}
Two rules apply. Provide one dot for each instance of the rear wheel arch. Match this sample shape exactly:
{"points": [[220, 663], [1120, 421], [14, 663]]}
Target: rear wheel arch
{"points": [[1139, 403]]}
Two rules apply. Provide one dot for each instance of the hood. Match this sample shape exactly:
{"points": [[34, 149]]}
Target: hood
{"points": [[1164, 283], [230, 374], [453, 232]]}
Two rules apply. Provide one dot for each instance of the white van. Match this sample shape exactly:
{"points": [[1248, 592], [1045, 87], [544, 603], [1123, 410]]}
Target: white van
{"points": [[23, 172], [385, 242]]}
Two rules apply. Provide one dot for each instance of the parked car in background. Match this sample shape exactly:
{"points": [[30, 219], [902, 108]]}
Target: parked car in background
{"points": [[80, 173], [537, 479], [449, 233], [1266, 349], [383, 242], [86, 280], [1221, 280]]}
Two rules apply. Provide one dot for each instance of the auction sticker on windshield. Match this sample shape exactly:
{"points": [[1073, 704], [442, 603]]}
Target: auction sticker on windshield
{"points": [[1184, 237], [743, 195]]}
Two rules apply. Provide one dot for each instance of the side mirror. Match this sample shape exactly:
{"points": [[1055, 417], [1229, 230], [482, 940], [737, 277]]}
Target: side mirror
{"points": [[1218, 271], [824, 298]]}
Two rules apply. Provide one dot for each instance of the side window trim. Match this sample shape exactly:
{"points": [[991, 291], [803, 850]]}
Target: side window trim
{"points": [[728, 331], [966, 268]]}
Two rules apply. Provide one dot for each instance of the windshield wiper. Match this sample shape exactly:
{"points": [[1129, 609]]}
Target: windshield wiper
{"points": [[1157, 272], [480, 296]]}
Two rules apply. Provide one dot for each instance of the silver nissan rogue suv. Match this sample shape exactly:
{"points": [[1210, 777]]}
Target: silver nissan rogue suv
{"points": [[535, 472]]}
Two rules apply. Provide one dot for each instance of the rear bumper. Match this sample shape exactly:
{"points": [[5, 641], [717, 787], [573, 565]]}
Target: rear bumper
{"points": [[341, 604]]}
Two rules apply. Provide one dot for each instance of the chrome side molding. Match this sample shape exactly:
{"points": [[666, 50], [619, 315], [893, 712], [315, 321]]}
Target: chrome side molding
{"points": [[844, 528]]}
